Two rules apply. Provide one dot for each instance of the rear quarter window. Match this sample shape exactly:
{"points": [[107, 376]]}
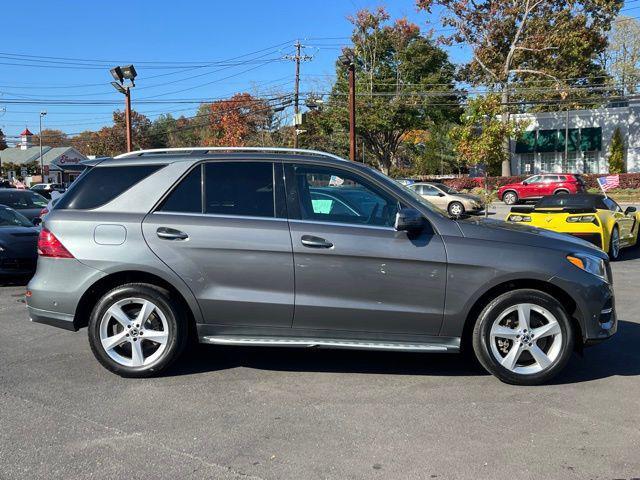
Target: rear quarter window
{"points": [[100, 185]]}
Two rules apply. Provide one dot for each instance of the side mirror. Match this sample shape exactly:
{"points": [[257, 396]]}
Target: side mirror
{"points": [[525, 183], [36, 221], [440, 194], [630, 210], [409, 220]]}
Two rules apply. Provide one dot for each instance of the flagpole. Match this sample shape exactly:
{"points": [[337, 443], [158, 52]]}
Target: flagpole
{"points": [[601, 187]]}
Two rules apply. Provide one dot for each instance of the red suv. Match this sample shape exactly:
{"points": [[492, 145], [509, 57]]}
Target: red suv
{"points": [[538, 186]]}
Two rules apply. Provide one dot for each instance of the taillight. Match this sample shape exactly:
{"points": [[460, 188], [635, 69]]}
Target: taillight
{"points": [[43, 212], [50, 246]]}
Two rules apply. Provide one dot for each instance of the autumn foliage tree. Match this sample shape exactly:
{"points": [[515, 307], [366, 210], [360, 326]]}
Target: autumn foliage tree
{"points": [[551, 47], [234, 120]]}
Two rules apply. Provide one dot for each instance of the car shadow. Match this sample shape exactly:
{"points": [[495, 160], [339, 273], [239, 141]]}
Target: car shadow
{"points": [[618, 356], [631, 253], [13, 281]]}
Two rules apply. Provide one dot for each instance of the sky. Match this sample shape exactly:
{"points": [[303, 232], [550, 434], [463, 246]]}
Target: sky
{"points": [[183, 51]]}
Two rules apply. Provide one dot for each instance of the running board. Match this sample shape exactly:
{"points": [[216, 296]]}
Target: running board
{"points": [[330, 343]]}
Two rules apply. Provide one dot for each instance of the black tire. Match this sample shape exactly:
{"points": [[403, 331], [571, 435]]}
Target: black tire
{"points": [[614, 255], [481, 336], [176, 320], [455, 207], [510, 197]]}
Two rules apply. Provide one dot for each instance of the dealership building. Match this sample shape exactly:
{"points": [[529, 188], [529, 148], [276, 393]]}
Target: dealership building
{"points": [[585, 136], [61, 164]]}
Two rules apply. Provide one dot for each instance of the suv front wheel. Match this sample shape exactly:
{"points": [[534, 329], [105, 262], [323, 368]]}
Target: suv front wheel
{"points": [[137, 330], [523, 337]]}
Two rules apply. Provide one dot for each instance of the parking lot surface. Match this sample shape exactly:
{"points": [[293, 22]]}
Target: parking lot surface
{"points": [[242, 413]]}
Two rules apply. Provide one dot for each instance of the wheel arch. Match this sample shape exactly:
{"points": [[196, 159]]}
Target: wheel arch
{"points": [[509, 190], [104, 284], [485, 298], [561, 190]]}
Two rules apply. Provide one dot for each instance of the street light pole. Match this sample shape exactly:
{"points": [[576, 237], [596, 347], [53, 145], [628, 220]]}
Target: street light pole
{"points": [[42, 114], [119, 74], [349, 62], [127, 118]]}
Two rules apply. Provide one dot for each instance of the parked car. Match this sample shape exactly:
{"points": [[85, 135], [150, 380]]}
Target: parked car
{"points": [[18, 241], [595, 218], [446, 198], [26, 202], [228, 245], [45, 189], [6, 184], [538, 186]]}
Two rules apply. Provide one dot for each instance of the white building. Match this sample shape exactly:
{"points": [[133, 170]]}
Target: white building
{"points": [[542, 149]]}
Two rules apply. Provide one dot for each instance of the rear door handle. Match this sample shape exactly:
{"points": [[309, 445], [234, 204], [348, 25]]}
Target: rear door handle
{"points": [[171, 234], [315, 242]]}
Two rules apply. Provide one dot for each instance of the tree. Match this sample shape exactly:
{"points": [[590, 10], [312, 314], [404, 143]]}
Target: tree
{"points": [[234, 120], [480, 137], [52, 138], [616, 153], [552, 44], [169, 132], [3, 141], [404, 83], [622, 57]]}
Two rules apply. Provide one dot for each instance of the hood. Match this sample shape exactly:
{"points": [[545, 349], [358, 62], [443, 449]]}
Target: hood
{"points": [[497, 230]]}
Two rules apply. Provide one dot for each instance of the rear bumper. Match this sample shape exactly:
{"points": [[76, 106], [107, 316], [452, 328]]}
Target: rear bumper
{"points": [[55, 319], [595, 238], [56, 289]]}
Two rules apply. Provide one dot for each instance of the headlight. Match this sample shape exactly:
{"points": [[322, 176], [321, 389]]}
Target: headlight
{"points": [[593, 265], [583, 219], [519, 218]]}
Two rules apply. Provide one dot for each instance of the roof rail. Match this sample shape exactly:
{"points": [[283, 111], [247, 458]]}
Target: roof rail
{"points": [[300, 151]]}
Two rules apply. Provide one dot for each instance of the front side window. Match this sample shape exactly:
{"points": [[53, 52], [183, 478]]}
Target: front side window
{"points": [[11, 218], [239, 188], [430, 191], [534, 179], [337, 196], [612, 205]]}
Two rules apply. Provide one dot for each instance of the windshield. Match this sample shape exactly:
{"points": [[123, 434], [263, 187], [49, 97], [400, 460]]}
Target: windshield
{"points": [[11, 218], [22, 200], [446, 189]]}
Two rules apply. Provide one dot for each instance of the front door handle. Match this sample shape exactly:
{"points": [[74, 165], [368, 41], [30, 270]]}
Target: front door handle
{"points": [[315, 242], [171, 234]]}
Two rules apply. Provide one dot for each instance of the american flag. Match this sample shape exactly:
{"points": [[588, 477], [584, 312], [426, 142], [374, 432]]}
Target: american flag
{"points": [[609, 182]]}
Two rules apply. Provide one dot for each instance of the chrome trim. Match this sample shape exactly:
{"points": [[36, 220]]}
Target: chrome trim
{"points": [[232, 149], [606, 311], [216, 215], [329, 343], [338, 224]]}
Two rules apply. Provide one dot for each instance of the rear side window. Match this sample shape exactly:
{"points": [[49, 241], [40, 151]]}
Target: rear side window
{"points": [[187, 196], [239, 188], [100, 185]]}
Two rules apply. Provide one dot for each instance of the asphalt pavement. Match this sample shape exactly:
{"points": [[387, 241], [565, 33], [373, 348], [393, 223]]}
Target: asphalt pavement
{"points": [[261, 413]]}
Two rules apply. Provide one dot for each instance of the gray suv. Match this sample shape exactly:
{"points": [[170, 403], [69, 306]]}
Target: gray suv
{"points": [[281, 247]]}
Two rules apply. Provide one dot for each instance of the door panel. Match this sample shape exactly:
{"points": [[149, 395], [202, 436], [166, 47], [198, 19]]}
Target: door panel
{"points": [[239, 269], [353, 270], [371, 280]]}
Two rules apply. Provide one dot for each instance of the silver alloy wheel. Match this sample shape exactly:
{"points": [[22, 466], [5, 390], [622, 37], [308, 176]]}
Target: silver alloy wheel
{"points": [[456, 209], [134, 332], [509, 198], [615, 243], [523, 343]]}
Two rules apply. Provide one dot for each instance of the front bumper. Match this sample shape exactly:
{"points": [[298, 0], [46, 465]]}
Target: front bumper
{"points": [[595, 304]]}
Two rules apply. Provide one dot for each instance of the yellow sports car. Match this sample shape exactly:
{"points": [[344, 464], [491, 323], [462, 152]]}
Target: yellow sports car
{"points": [[595, 218]]}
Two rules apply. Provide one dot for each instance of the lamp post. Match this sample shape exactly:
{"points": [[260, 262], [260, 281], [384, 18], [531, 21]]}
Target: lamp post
{"points": [[120, 74], [42, 114]]}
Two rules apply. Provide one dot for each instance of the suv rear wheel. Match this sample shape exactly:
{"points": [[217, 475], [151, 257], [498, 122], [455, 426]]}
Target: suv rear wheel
{"points": [[137, 330], [523, 337]]}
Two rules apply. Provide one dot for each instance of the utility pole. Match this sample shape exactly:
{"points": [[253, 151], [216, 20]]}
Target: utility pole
{"points": [[298, 57], [349, 62], [42, 114]]}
